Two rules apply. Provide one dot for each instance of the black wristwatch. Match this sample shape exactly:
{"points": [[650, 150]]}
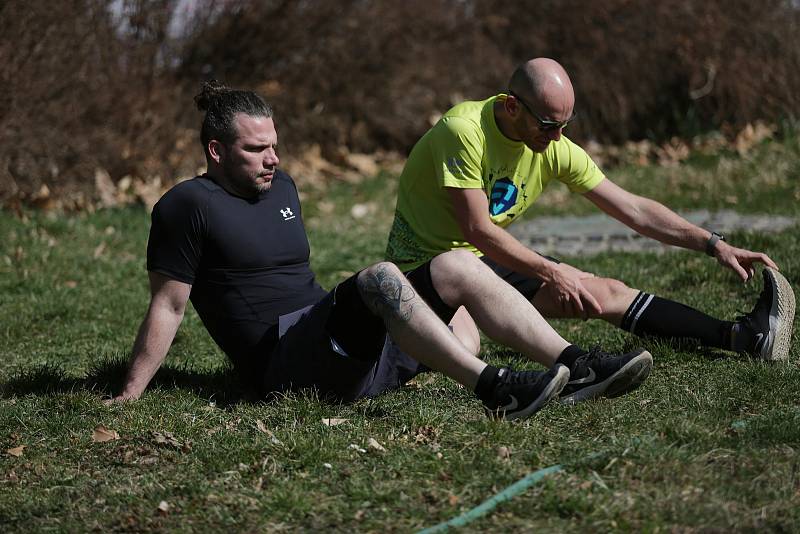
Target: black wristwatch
{"points": [[711, 244]]}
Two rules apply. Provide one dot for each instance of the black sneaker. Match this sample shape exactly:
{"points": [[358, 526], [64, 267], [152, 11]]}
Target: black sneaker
{"points": [[520, 394], [766, 332], [597, 373]]}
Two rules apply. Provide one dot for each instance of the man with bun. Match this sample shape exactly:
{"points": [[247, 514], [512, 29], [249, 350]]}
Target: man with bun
{"points": [[233, 242], [486, 162]]}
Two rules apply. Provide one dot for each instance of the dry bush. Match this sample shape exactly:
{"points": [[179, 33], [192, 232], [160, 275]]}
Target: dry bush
{"points": [[371, 74], [82, 92], [364, 74], [654, 70], [87, 87]]}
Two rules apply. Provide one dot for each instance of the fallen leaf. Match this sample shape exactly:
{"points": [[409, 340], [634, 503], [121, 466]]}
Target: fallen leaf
{"points": [[102, 434], [166, 438], [326, 465], [98, 250], [359, 515], [72, 284], [356, 448], [372, 443], [15, 451], [452, 499], [359, 211], [333, 421], [232, 425], [503, 452], [105, 188], [163, 507], [169, 440], [426, 434], [263, 429]]}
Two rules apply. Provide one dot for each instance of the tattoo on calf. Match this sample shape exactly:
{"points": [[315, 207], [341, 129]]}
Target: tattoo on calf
{"points": [[386, 293]]}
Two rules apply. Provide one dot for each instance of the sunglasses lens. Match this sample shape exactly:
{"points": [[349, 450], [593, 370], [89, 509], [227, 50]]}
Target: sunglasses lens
{"points": [[544, 125]]}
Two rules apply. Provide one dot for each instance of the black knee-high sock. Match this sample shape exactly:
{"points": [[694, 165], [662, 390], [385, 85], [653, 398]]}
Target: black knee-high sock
{"points": [[649, 315]]}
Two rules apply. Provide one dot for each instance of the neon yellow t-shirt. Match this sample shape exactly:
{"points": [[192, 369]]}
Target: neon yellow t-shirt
{"points": [[466, 149]]}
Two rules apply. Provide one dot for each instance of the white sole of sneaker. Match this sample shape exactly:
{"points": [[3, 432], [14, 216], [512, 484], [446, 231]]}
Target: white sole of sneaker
{"points": [[552, 390], [781, 318], [626, 379]]}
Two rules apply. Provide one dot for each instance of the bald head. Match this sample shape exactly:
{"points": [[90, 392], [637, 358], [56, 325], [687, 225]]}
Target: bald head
{"points": [[545, 84]]}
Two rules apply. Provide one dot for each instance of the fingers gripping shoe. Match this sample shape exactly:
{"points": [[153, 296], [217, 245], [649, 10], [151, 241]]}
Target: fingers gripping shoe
{"points": [[597, 373], [766, 332], [520, 394]]}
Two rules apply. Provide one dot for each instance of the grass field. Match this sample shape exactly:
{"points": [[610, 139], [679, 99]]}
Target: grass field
{"points": [[709, 443]]}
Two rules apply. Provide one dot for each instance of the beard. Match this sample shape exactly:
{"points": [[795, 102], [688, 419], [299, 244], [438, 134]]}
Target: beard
{"points": [[245, 182]]}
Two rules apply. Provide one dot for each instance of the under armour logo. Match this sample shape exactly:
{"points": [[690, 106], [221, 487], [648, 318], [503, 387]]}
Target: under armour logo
{"points": [[287, 214]]}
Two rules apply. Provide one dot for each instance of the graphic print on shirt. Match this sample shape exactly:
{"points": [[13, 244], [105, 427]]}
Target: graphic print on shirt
{"points": [[287, 213], [503, 196]]}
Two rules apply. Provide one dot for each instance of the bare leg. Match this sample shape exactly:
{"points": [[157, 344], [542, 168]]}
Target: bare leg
{"points": [[500, 311], [415, 328], [465, 329], [614, 297]]}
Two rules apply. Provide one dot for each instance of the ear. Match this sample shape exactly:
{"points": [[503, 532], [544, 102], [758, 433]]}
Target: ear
{"points": [[511, 105], [216, 150]]}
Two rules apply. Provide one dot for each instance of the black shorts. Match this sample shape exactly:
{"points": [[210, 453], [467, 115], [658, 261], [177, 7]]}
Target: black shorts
{"points": [[341, 349], [524, 284]]}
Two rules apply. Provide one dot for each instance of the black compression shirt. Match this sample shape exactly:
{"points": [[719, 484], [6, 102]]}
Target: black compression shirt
{"points": [[247, 259]]}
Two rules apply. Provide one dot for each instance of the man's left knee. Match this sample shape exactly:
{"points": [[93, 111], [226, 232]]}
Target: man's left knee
{"points": [[453, 268], [610, 289]]}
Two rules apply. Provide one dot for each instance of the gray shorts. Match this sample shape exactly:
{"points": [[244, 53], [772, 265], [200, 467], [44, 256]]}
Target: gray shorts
{"points": [[339, 348]]}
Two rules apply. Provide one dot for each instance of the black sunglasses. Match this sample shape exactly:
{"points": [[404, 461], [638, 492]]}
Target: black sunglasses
{"points": [[545, 125]]}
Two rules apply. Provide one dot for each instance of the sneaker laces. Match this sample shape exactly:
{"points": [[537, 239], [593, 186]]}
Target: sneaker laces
{"points": [[519, 377], [748, 318], [596, 353]]}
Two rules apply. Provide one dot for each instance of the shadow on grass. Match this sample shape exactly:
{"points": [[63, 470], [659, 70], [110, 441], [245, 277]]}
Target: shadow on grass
{"points": [[106, 378], [656, 346]]}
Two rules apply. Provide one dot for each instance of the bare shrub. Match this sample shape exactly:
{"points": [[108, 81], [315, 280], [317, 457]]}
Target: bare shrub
{"points": [[371, 74], [367, 75], [657, 69], [81, 92], [91, 84]]}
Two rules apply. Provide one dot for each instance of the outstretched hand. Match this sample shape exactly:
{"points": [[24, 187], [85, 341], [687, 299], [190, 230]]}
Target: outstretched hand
{"points": [[741, 261], [568, 292]]}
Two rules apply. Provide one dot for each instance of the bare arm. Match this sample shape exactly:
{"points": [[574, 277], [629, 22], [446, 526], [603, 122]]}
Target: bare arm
{"points": [[168, 300], [471, 209], [653, 219]]}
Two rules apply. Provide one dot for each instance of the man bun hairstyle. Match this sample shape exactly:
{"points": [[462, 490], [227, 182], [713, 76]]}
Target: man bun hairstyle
{"points": [[221, 104]]}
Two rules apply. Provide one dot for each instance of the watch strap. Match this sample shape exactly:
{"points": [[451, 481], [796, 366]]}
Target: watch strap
{"points": [[711, 244]]}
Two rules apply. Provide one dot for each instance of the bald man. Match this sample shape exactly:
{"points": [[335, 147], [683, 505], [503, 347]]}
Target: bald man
{"points": [[486, 162]]}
